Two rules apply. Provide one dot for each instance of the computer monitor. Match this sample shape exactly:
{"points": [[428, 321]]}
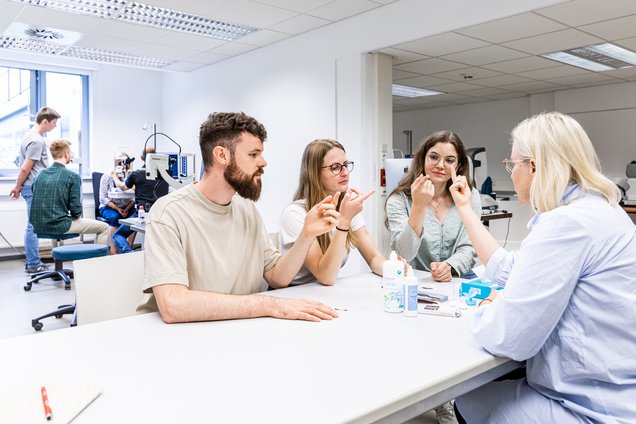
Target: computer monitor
{"points": [[394, 170]]}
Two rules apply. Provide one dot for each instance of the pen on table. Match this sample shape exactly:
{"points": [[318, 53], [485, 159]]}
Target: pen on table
{"points": [[45, 401]]}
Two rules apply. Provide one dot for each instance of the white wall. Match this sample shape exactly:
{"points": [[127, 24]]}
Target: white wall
{"points": [[478, 125], [292, 86], [606, 112], [122, 100]]}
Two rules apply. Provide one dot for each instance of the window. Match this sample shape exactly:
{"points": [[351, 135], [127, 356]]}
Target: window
{"points": [[22, 93]]}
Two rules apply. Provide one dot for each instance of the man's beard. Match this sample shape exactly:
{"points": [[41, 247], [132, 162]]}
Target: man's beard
{"points": [[245, 185]]}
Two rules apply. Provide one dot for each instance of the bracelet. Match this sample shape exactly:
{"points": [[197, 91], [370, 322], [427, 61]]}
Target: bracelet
{"points": [[340, 229], [482, 302]]}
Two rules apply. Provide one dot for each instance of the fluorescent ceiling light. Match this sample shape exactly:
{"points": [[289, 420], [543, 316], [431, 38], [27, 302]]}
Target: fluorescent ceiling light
{"points": [[26, 45], [145, 14], [597, 58], [405, 91], [105, 56]]}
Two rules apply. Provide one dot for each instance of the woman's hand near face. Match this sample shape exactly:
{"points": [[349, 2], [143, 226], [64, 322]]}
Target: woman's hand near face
{"points": [[351, 205], [460, 190], [422, 191]]}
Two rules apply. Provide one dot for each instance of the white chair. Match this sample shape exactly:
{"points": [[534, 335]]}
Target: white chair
{"points": [[109, 287]]}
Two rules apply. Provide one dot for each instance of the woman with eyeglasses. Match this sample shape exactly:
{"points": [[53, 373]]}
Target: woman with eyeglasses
{"points": [[568, 307], [324, 171], [425, 227]]}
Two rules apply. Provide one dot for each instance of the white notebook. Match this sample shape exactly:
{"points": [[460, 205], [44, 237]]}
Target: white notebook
{"points": [[23, 404]]}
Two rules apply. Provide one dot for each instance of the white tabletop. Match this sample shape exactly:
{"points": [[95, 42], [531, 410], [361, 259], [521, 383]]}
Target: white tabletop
{"points": [[365, 366], [136, 224]]}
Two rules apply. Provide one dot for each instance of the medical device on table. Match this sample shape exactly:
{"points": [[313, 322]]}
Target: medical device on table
{"points": [[175, 168]]}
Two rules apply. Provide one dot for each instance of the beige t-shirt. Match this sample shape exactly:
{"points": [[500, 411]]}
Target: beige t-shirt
{"points": [[195, 242]]}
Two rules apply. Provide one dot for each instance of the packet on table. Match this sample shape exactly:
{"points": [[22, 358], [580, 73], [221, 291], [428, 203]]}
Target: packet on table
{"points": [[484, 288]]}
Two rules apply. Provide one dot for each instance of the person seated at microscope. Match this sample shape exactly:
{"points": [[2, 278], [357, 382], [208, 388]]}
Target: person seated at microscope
{"points": [[111, 208], [146, 193]]}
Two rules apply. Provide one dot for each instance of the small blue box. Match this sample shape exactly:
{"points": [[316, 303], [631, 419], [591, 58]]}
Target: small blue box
{"points": [[484, 288]]}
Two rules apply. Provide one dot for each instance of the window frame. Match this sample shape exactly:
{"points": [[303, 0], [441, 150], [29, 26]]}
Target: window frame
{"points": [[38, 100]]}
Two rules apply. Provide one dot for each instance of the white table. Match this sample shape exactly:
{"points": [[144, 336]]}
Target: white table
{"points": [[135, 224], [366, 366]]}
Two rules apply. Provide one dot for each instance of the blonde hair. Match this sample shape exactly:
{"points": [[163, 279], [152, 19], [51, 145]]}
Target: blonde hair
{"points": [[59, 147], [309, 187], [564, 155]]}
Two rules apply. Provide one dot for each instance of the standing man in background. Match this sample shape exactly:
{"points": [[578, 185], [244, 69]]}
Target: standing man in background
{"points": [[33, 159]]}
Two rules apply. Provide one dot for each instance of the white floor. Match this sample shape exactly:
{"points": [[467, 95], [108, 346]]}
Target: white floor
{"points": [[19, 307]]}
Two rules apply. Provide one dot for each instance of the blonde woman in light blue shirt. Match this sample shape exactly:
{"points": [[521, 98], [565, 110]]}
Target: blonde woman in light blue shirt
{"points": [[568, 307]]}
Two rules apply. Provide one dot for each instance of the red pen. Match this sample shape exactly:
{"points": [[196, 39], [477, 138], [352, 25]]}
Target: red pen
{"points": [[45, 401]]}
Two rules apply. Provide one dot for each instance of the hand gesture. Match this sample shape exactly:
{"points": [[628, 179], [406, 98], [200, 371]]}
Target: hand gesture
{"points": [[351, 205], [15, 193], [322, 217], [121, 212], [460, 190], [301, 309], [441, 271], [422, 191]]}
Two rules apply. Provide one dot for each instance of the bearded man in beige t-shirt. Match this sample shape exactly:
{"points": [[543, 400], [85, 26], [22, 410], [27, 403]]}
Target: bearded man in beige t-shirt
{"points": [[207, 248]]}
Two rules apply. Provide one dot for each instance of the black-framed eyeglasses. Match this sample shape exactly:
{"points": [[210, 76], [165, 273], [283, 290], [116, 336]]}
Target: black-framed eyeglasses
{"points": [[336, 168], [510, 163]]}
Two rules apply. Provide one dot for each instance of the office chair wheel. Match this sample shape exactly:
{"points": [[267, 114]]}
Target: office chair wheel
{"points": [[58, 316], [37, 325], [27, 288]]}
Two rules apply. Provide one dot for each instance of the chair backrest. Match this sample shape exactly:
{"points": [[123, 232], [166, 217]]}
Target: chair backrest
{"points": [[109, 287], [97, 179]]}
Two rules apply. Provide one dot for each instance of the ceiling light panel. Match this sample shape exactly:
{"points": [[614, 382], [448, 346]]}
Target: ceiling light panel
{"points": [[96, 55], [598, 57], [34, 46], [412, 92], [145, 14], [573, 60], [106, 56]]}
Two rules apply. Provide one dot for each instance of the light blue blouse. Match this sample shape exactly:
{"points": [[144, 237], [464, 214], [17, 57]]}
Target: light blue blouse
{"points": [[444, 241], [569, 308]]}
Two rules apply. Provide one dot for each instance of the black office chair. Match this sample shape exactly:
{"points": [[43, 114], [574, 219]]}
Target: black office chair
{"points": [[97, 179]]}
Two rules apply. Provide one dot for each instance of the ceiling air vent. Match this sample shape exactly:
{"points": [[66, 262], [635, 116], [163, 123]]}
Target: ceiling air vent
{"points": [[43, 34]]}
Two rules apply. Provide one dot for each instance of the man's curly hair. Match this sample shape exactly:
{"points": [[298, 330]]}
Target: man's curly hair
{"points": [[224, 129]]}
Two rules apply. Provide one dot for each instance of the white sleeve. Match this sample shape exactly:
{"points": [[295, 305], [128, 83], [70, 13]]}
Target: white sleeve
{"points": [[357, 222], [291, 225]]}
